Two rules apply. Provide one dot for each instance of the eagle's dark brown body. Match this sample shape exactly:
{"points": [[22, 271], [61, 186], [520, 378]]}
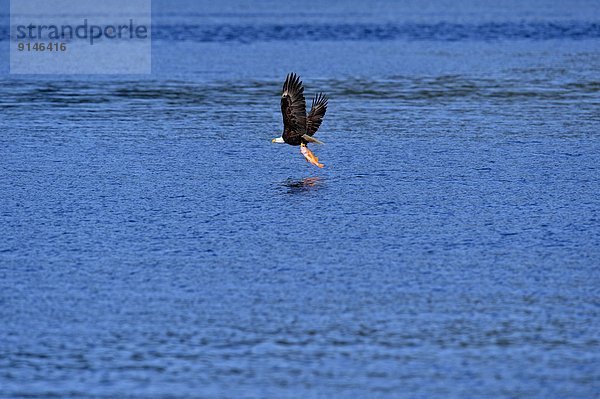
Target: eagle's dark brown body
{"points": [[293, 107]]}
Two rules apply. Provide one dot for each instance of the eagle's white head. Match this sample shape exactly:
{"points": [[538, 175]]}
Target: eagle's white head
{"points": [[278, 140]]}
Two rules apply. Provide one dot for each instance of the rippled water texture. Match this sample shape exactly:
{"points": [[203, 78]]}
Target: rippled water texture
{"points": [[155, 244]]}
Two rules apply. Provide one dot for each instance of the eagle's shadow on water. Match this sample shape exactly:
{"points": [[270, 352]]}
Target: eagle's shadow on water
{"points": [[302, 186]]}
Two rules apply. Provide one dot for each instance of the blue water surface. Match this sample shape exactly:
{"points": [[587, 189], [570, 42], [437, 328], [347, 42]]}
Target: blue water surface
{"points": [[155, 244]]}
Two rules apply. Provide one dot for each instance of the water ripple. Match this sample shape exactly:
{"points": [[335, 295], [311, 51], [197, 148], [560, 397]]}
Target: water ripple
{"points": [[441, 31], [226, 92]]}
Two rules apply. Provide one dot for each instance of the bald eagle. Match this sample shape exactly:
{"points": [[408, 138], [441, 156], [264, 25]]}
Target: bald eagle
{"points": [[299, 128]]}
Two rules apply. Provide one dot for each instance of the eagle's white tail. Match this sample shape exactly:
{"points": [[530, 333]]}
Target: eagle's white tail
{"points": [[311, 139]]}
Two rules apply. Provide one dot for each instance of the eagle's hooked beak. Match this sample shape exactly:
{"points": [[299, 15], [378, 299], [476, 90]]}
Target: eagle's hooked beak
{"points": [[278, 140]]}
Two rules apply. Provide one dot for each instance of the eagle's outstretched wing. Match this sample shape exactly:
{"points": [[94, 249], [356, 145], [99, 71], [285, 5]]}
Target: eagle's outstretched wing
{"points": [[316, 114], [293, 107]]}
